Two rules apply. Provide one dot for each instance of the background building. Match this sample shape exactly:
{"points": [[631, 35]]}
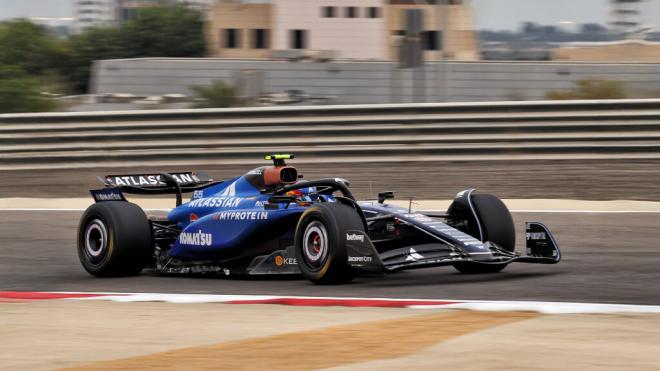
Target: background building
{"points": [[448, 30], [91, 13], [240, 30], [339, 29], [347, 29]]}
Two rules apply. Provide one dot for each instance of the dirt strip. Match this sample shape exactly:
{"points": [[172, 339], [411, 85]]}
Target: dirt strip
{"points": [[50, 334], [557, 343], [322, 348], [93, 335], [574, 179]]}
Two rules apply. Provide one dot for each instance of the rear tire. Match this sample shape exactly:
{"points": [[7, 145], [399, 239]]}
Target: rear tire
{"points": [[114, 239], [497, 226], [321, 242]]}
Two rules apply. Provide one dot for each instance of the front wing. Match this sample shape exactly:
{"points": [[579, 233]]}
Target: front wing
{"points": [[363, 256], [540, 243]]}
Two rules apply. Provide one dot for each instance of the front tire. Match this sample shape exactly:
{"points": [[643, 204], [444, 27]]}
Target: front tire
{"points": [[321, 242], [114, 239], [497, 227]]}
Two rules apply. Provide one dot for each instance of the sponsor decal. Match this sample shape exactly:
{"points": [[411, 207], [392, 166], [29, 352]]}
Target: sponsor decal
{"points": [[413, 255], [536, 236], [193, 217], [456, 235], [360, 259], [216, 202], [258, 171], [243, 215], [150, 180], [230, 190], [259, 204], [198, 238], [108, 196], [354, 237], [197, 194], [281, 261]]}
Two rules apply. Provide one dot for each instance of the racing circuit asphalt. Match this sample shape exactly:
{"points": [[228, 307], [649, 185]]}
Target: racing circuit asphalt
{"points": [[608, 258]]}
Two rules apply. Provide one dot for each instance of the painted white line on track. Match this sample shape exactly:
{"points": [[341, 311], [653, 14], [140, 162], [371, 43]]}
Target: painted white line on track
{"points": [[483, 305]]}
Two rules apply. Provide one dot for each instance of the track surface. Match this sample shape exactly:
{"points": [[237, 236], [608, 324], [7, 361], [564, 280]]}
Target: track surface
{"points": [[609, 258]]}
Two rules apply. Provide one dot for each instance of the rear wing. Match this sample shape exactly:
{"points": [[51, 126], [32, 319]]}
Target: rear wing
{"points": [[163, 183], [157, 183]]}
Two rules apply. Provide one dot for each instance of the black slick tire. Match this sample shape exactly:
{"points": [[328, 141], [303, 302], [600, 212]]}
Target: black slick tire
{"points": [[497, 226], [114, 239], [321, 242]]}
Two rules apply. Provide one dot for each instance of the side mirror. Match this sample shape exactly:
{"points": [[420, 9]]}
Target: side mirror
{"points": [[382, 196]]}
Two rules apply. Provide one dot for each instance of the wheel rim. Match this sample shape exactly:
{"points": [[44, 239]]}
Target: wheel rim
{"points": [[96, 240], [315, 244]]}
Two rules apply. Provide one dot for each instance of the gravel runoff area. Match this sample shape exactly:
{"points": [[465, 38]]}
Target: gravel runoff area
{"points": [[567, 179]]}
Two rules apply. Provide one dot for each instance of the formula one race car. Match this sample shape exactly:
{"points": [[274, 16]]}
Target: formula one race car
{"points": [[271, 221]]}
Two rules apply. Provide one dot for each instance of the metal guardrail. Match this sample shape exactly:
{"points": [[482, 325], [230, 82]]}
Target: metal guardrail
{"points": [[356, 133]]}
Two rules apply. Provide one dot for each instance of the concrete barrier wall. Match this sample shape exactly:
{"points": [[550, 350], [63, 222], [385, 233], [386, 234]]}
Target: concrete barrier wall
{"points": [[625, 129], [373, 82]]}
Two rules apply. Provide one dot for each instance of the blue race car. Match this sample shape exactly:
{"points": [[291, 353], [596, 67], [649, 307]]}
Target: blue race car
{"points": [[271, 221]]}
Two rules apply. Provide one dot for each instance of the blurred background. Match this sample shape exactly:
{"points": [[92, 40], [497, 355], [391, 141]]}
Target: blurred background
{"points": [[90, 55], [552, 105], [540, 102], [294, 69]]}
